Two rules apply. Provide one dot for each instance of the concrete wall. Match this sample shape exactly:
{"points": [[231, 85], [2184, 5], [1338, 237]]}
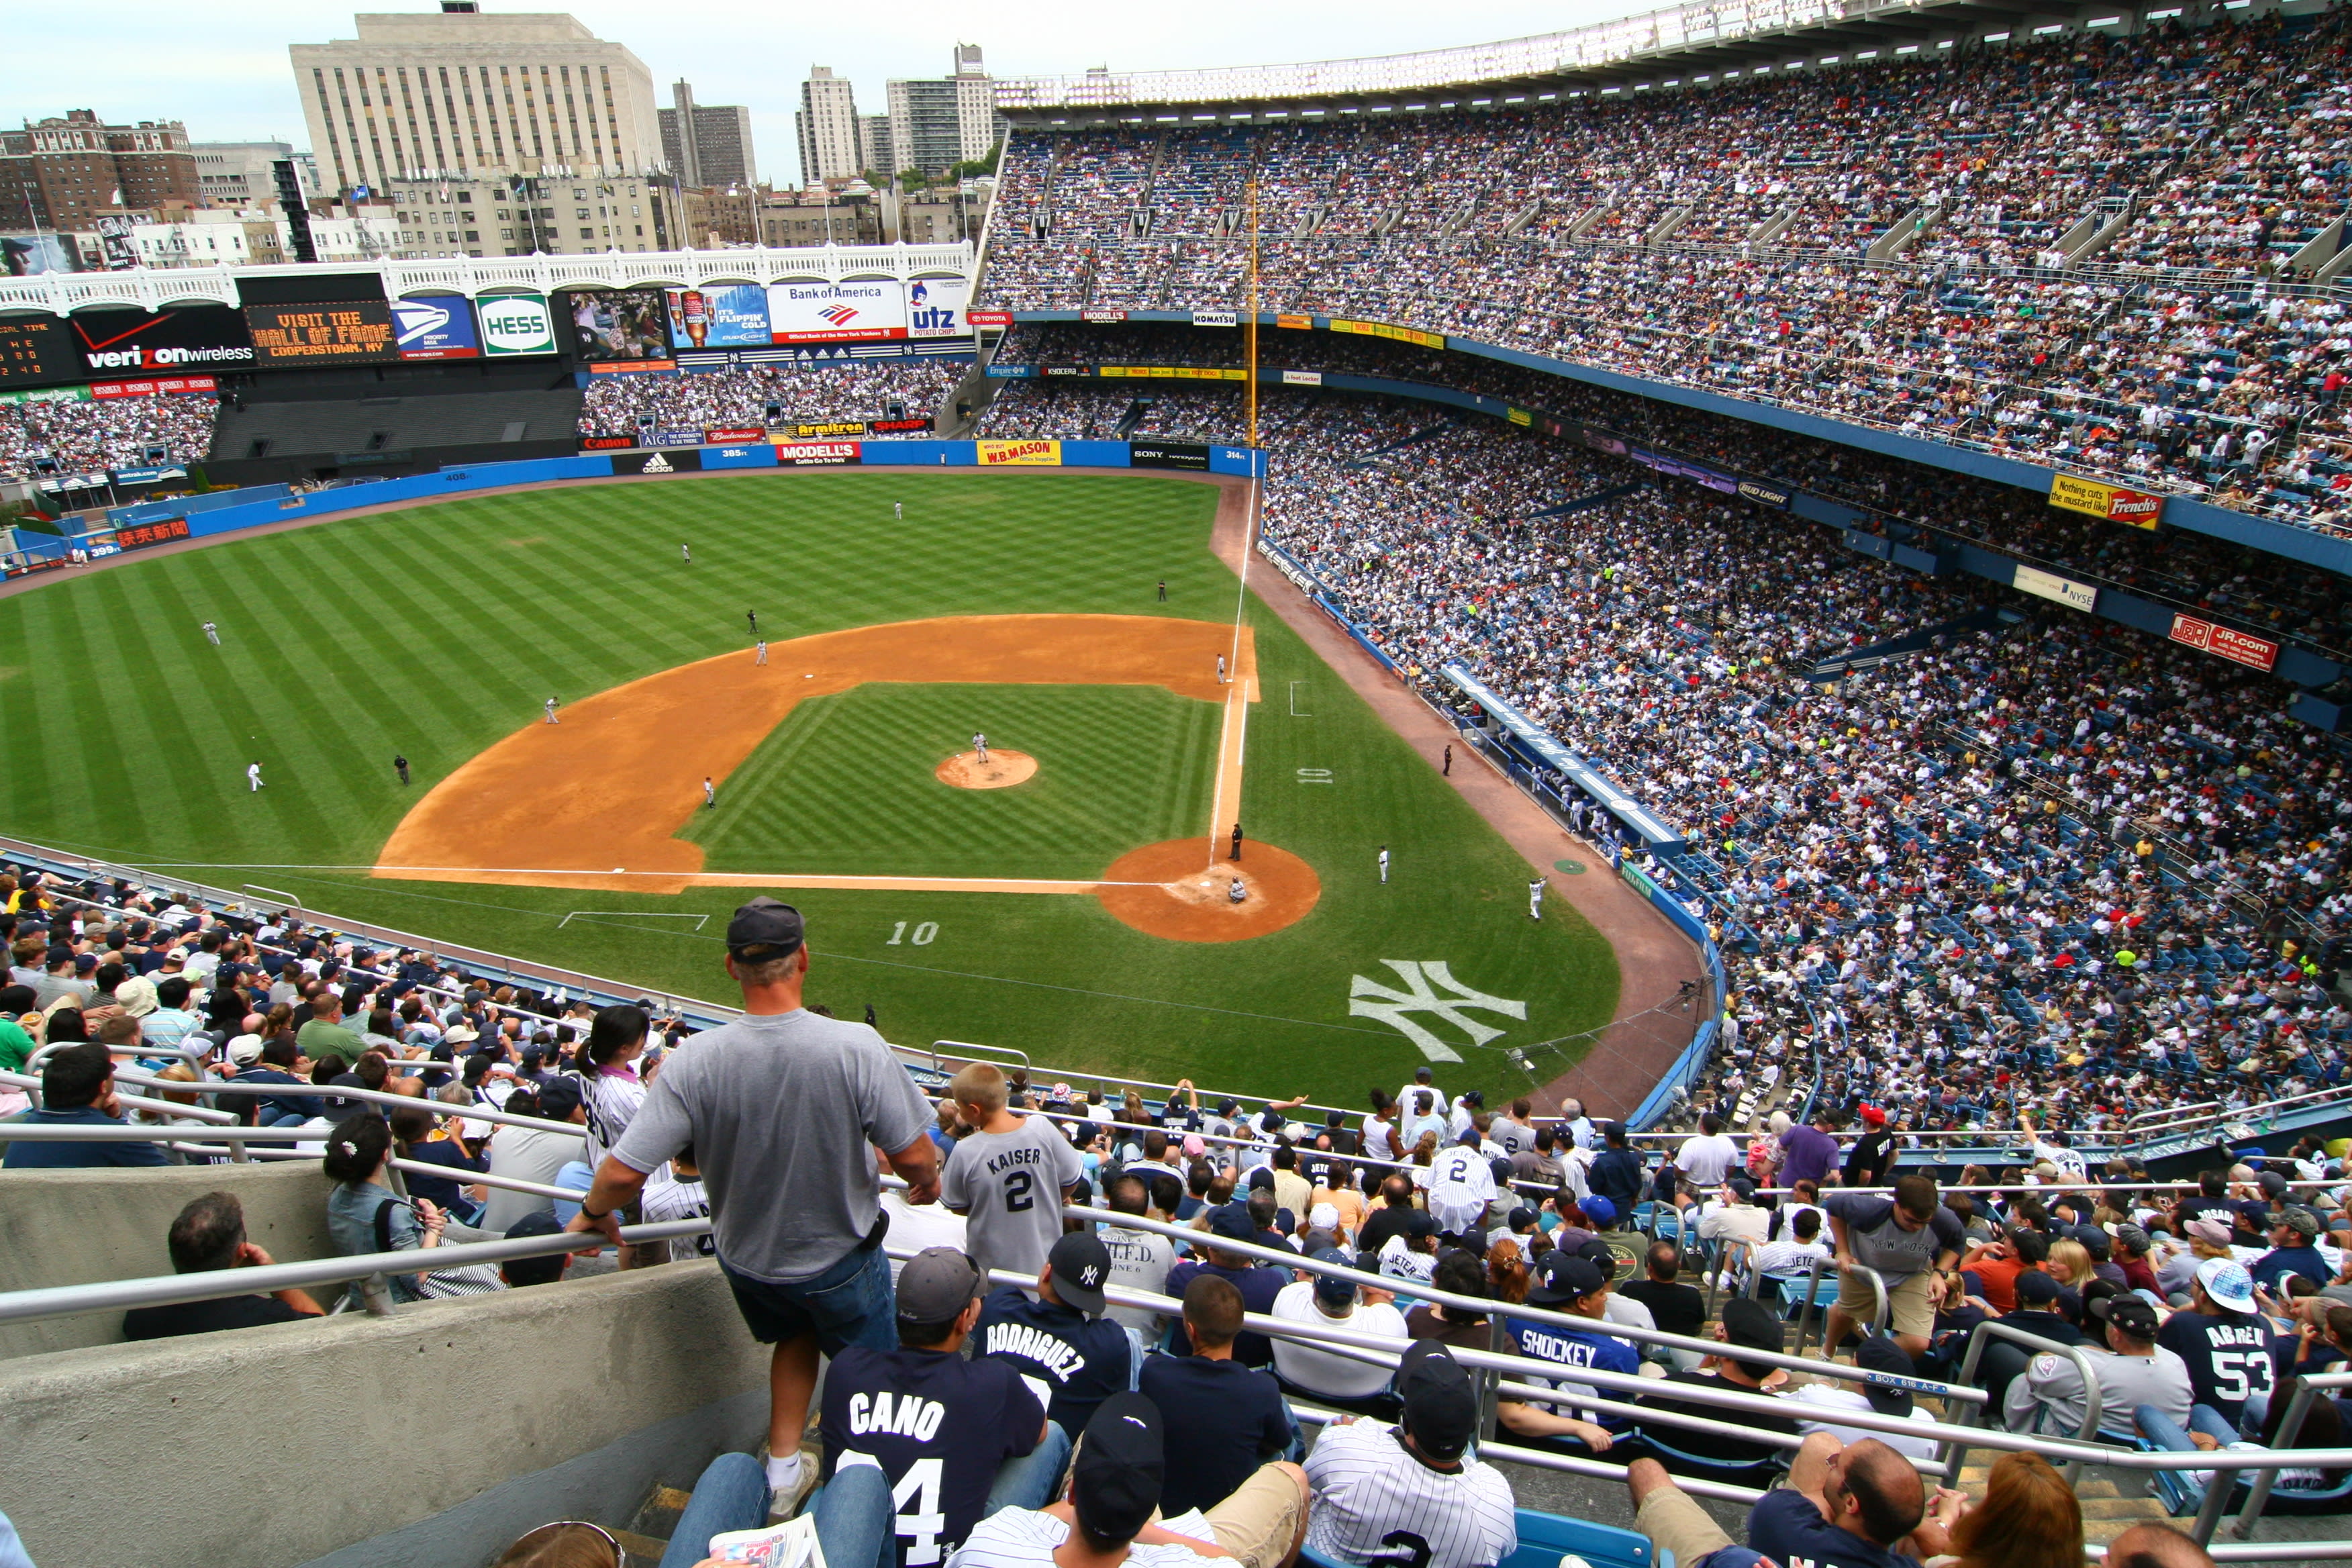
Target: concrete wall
{"points": [[76, 1227], [284, 1444]]}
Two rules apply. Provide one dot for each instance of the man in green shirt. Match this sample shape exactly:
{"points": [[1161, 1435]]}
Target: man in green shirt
{"points": [[324, 1035]]}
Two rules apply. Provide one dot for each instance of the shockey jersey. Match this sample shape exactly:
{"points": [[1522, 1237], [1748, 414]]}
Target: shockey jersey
{"points": [[1376, 1502], [938, 1425], [1577, 1347], [2232, 1356]]}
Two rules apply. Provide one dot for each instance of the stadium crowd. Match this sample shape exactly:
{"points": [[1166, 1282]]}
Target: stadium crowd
{"points": [[769, 395], [98, 435], [1715, 238], [1458, 1229]]}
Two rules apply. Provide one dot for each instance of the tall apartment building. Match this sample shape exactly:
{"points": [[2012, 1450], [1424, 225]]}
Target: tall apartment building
{"points": [[708, 144], [523, 214], [462, 95], [935, 124], [239, 174], [875, 150], [63, 173], [827, 125]]}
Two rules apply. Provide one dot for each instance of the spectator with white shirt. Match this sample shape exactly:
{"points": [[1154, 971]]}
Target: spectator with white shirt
{"points": [[1139, 1259], [1707, 1156], [1371, 1482], [1324, 1301], [1797, 1248], [1882, 1356]]}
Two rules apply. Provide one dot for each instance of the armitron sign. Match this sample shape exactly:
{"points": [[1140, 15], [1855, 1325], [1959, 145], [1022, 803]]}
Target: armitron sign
{"points": [[2099, 499]]}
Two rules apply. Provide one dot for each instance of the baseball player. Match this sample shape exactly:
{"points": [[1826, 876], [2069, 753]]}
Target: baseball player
{"points": [[710, 794], [1220, 669], [551, 709], [1237, 892], [1384, 865], [1535, 898], [752, 616], [1163, 590], [400, 766], [1237, 841], [212, 634], [1448, 771], [760, 655], [687, 551], [253, 776], [980, 744], [898, 510]]}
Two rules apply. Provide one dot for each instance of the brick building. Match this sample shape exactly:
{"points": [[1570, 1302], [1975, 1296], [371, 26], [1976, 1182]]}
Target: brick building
{"points": [[63, 173]]}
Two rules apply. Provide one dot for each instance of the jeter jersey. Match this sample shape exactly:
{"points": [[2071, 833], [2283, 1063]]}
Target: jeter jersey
{"points": [[1376, 1503], [1009, 1188]]}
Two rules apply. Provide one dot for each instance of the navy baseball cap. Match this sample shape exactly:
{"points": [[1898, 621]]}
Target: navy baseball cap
{"points": [[1334, 1292], [1121, 1464], [1562, 1276], [2036, 1287], [1232, 1221], [765, 929], [1081, 1264]]}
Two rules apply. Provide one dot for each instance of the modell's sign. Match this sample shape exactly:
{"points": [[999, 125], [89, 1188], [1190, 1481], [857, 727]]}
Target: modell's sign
{"points": [[2225, 642], [2114, 503], [1100, 315], [816, 454]]}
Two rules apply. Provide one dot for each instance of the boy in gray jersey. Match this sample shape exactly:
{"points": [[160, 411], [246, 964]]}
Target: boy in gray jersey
{"points": [[1008, 1177]]}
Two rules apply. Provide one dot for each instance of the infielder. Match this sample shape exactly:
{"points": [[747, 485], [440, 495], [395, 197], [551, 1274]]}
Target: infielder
{"points": [[980, 744], [752, 616], [1220, 669], [710, 794], [212, 634], [1163, 590], [760, 656], [253, 776], [551, 709], [1384, 865], [1535, 898], [400, 766]]}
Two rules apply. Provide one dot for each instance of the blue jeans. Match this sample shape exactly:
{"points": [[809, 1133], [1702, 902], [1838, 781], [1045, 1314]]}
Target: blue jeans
{"points": [[853, 1514], [2166, 1433], [851, 1303], [1029, 1481]]}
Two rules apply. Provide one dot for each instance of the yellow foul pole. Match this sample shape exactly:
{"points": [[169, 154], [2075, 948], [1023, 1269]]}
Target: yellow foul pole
{"points": [[1250, 321]]}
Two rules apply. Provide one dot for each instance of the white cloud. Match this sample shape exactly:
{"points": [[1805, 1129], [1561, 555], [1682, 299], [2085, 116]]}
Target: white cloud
{"points": [[222, 68]]}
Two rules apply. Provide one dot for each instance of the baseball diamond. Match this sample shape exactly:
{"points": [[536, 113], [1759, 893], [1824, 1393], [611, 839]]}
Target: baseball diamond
{"points": [[1085, 914]]}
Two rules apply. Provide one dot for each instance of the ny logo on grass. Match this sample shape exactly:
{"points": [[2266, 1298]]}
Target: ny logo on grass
{"points": [[1419, 993]]}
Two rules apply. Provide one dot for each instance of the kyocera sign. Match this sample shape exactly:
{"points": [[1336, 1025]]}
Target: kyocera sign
{"points": [[516, 324]]}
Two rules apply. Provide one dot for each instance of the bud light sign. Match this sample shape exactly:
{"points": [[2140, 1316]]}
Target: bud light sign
{"points": [[516, 324], [935, 308]]}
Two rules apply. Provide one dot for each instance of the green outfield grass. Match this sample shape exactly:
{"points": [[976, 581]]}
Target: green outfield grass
{"points": [[435, 631]]}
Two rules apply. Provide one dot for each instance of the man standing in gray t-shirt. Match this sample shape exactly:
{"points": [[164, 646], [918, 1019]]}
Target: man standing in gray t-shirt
{"points": [[783, 1109], [1008, 1177]]}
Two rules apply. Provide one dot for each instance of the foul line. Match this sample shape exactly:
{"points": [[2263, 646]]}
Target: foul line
{"points": [[704, 879], [1233, 741]]}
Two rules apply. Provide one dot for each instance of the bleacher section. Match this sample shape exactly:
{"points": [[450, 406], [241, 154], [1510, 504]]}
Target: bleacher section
{"points": [[275, 433]]}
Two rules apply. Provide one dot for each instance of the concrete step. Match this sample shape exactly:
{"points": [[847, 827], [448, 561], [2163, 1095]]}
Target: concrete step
{"points": [[2124, 1507], [2099, 1531], [640, 1551]]}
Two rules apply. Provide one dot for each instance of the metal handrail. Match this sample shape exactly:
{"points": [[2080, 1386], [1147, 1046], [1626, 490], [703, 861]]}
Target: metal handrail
{"points": [[1880, 1306], [469, 1112], [196, 1056], [140, 1101], [2307, 1389], [2199, 1116], [2094, 1398]]}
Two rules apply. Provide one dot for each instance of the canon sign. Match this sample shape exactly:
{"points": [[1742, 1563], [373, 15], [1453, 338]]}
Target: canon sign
{"points": [[193, 337]]}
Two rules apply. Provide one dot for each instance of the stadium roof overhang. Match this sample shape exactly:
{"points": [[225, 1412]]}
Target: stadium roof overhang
{"points": [[1686, 44]]}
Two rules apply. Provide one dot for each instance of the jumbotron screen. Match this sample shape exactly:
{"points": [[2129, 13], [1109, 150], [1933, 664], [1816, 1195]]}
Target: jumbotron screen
{"points": [[36, 349], [356, 331]]}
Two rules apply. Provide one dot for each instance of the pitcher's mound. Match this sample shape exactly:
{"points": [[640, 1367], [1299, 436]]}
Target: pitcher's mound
{"points": [[1188, 900], [1002, 770]]}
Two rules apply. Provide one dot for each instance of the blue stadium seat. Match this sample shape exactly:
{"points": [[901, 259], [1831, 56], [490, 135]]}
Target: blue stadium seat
{"points": [[1546, 1537]]}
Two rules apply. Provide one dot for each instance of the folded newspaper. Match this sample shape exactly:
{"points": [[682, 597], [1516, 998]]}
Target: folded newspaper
{"points": [[792, 1544]]}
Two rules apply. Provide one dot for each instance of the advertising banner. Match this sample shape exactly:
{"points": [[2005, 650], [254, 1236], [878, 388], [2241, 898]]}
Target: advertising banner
{"points": [[355, 333], [869, 308], [1519, 416], [1170, 373], [1011, 372], [1601, 442], [2099, 499], [719, 316], [516, 324], [989, 318], [1217, 319], [1397, 335], [754, 455], [656, 462], [1189, 455], [606, 443], [900, 427], [633, 367], [1302, 378], [140, 535], [440, 327], [687, 438], [1065, 370], [733, 435], [1093, 315], [1296, 323], [2240, 647], [1762, 495], [935, 308], [48, 394], [2049, 585], [617, 323], [36, 348], [1018, 453], [190, 337], [1681, 470], [816, 454], [148, 475], [820, 431]]}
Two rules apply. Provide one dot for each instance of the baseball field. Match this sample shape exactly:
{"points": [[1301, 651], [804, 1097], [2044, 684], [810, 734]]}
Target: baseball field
{"points": [[1067, 899]]}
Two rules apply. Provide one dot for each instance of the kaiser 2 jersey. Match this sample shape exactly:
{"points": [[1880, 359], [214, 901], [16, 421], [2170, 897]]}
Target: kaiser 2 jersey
{"points": [[938, 1425], [1008, 1187]]}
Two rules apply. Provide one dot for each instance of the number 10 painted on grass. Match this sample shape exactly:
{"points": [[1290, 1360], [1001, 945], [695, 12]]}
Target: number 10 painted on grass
{"points": [[924, 935]]}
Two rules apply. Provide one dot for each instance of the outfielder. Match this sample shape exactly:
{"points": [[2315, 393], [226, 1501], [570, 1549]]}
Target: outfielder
{"points": [[980, 744], [898, 510], [752, 618], [212, 634], [687, 551], [551, 709], [1384, 865], [253, 776], [1535, 898], [761, 654], [399, 765]]}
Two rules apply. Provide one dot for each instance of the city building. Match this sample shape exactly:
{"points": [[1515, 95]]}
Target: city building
{"points": [[828, 127], [237, 175], [459, 95], [524, 214], [876, 154], [820, 217], [714, 219], [937, 124], [61, 174], [708, 144], [938, 217]]}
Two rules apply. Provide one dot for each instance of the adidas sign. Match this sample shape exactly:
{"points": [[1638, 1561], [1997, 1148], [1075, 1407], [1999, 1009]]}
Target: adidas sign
{"points": [[657, 464]]}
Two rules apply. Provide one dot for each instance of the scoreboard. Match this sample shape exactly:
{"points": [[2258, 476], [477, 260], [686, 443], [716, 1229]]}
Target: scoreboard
{"points": [[354, 332], [37, 350]]}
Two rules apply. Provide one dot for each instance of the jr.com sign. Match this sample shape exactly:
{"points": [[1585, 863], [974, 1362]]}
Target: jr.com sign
{"points": [[866, 309]]}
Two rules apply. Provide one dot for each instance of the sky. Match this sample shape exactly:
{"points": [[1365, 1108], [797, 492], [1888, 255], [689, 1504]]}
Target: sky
{"points": [[222, 69]]}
